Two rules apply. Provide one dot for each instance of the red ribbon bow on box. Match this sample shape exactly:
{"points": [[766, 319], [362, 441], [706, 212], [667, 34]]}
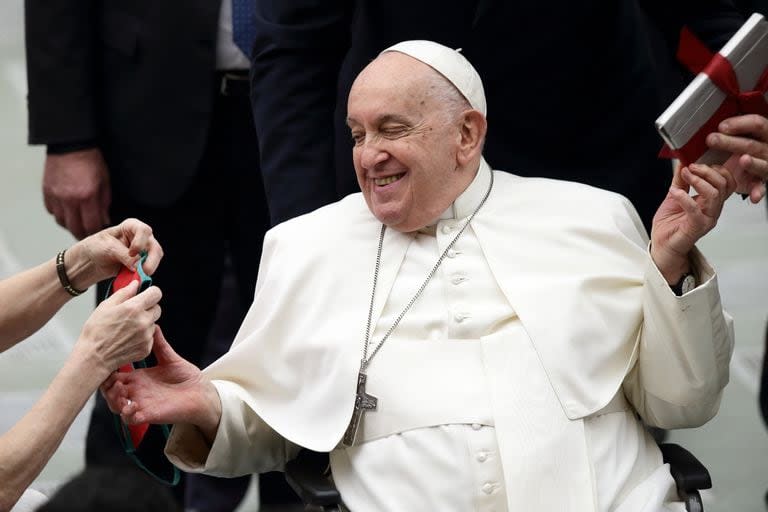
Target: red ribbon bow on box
{"points": [[699, 59]]}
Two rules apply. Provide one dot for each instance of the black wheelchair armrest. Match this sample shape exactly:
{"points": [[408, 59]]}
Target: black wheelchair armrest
{"points": [[308, 476], [686, 469], [689, 474]]}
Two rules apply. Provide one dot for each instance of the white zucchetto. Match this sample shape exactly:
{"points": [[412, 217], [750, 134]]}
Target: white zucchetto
{"points": [[449, 63]]}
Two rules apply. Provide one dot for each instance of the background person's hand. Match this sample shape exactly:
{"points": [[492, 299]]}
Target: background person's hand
{"points": [[101, 255], [121, 329], [682, 220], [77, 192], [172, 392], [746, 137]]}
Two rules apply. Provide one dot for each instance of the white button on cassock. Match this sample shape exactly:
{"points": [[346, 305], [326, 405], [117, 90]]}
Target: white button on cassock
{"points": [[482, 457], [452, 253], [487, 488], [447, 228]]}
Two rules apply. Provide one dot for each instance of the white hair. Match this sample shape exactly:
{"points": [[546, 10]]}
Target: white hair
{"points": [[447, 95]]}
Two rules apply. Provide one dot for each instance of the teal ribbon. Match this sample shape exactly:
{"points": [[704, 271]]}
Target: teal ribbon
{"points": [[120, 427]]}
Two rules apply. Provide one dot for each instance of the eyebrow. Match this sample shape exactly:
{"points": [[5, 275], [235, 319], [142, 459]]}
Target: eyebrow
{"points": [[384, 118]]}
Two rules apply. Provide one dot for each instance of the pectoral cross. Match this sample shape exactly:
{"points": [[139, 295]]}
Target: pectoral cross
{"points": [[363, 403]]}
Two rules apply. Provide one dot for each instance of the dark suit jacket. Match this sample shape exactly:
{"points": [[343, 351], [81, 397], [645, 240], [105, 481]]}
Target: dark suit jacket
{"points": [[133, 75], [571, 86]]}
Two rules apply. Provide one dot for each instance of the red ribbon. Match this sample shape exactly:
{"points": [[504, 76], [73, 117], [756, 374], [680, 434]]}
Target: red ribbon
{"points": [[699, 59], [138, 430], [123, 278]]}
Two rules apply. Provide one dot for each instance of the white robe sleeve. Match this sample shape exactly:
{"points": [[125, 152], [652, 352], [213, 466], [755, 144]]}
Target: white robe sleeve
{"points": [[685, 348], [244, 443]]}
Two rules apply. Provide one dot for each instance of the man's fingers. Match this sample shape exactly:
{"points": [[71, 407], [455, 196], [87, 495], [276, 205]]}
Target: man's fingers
{"points": [[72, 220], [720, 180], [757, 167], [677, 179], [738, 145], [51, 203], [757, 193], [703, 180], [750, 125], [113, 394], [104, 202], [58, 212], [730, 181], [127, 409], [714, 188], [132, 415], [163, 351], [90, 214], [686, 202]]}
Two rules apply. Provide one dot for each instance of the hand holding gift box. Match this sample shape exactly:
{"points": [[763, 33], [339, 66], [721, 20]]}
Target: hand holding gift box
{"points": [[720, 118]]}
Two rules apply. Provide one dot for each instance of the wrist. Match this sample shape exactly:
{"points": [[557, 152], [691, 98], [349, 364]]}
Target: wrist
{"points": [[78, 268], [672, 266], [209, 414], [87, 364]]}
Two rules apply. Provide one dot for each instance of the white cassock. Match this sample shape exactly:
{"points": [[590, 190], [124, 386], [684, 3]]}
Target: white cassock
{"points": [[513, 383]]}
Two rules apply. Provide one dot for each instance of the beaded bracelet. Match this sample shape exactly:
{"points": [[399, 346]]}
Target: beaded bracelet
{"points": [[63, 276]]}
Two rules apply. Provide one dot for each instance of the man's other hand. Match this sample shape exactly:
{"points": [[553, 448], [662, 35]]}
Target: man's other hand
{"points": [[76, 191]]}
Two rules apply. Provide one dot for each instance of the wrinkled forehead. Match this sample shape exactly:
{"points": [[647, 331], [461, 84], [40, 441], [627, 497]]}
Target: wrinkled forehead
{"points": [[393, 69], [392, 82]]}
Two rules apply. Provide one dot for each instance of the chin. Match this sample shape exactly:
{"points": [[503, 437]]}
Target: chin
{"points": [[391, 220], [392, 217]]}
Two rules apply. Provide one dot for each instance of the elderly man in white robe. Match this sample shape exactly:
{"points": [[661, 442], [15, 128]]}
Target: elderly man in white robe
{"points": [[460, 338]]}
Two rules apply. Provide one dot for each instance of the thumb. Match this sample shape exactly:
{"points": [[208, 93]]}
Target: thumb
{"points": [[163, 351], [677, 179], [124, 293]]}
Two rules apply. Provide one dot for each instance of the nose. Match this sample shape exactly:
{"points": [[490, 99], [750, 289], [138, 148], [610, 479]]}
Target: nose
{"points": [[371, 154]]}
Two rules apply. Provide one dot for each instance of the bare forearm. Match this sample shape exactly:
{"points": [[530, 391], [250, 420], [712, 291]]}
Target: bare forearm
{"points": [[27, 447], [27, 301]]}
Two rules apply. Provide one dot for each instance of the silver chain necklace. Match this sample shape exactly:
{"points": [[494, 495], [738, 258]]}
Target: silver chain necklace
{"points": [[363, 401]]}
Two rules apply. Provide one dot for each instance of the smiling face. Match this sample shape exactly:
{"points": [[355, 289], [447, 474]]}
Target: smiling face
{"points": [[409, 154]]}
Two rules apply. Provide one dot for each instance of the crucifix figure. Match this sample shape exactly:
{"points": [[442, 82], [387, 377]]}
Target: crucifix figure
{"points": [[363, 403]]}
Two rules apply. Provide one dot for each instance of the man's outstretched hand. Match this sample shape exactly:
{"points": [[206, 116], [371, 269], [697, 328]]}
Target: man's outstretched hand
{"points": [[174, 391]]}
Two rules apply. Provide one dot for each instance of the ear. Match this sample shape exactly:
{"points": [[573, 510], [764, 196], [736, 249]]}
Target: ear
{"points": [[471, 136]]}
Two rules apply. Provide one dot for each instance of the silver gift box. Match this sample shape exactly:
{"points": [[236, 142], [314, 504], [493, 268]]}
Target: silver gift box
{"points": [[747, 51]]}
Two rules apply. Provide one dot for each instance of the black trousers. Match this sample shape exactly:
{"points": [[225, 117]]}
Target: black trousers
{"points": [[215, 229]]}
